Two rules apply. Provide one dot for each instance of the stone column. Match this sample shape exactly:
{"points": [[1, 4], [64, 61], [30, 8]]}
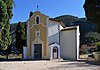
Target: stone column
{"points": [[51, 52], [59, 52], [33, 51]]}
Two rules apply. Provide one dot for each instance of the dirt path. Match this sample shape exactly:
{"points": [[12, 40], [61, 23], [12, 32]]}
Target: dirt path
{"points": [[47, 65]]}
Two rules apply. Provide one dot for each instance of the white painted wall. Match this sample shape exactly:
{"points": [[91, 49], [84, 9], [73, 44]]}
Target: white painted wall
{"points": [[61, 27], [53, 32], [78, 41], [68, 44], [25, 52]]}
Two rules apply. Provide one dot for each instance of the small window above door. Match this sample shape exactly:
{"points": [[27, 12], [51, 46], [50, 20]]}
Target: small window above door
{"points": [[37, 33]]}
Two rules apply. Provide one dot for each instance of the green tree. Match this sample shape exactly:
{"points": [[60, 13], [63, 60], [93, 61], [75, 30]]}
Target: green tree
{"points": [[31, 13], [7, 51], [91, 37], [92, 11], [5, 16], [98, 46], [20, 36]]}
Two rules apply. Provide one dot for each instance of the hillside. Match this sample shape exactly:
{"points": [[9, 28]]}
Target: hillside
{"points": [[67, 19]]}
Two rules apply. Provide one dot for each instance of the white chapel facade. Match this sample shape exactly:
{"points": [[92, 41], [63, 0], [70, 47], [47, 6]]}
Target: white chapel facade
{"points": [[48, 38]]}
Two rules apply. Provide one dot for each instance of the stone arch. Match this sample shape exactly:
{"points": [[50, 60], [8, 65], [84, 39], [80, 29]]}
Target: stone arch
{"points": [[55, 51]]}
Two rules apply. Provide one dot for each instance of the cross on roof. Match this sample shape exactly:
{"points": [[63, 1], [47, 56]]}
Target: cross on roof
{"points": [[37, 8]]}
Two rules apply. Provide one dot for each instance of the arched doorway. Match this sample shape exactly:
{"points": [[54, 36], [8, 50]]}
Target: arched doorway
{"points": [[55, 52]]}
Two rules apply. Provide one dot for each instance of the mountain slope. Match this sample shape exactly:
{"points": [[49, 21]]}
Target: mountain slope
{"points": [[67, 19]]}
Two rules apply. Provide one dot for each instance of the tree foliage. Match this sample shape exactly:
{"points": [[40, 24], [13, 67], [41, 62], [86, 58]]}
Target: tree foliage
{"points": [[91, 37], [98, 45], [31, 13], [92, 11], [20, 36], [5, 16]]}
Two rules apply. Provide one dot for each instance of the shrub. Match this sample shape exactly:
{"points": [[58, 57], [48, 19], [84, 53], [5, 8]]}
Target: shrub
{"points": [[98, 46]]}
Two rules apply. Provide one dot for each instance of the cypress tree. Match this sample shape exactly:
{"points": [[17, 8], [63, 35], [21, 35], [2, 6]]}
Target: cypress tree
{"points": [[20, 36], [5, 16]]}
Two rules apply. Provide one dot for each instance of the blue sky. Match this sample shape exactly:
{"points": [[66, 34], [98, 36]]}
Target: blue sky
{"points": [[52, 8]]}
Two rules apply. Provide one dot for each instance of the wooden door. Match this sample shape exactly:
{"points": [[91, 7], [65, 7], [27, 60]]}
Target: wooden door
{"points": [[37, 51]]}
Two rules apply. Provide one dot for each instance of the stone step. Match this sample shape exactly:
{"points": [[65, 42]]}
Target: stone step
{"points": [[56, 59]]}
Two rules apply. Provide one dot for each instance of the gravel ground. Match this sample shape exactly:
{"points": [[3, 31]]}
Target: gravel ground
{"points": [[48, 65]]}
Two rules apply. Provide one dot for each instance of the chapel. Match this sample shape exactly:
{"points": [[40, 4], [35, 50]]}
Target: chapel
{"points": [[48, 38]]}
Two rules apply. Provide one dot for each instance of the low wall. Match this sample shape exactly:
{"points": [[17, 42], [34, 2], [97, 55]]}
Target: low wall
{"points": [[25, 52]]}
